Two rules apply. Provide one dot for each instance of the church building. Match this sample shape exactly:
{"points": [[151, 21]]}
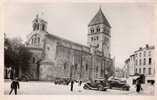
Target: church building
{"points": [[55, 57]]}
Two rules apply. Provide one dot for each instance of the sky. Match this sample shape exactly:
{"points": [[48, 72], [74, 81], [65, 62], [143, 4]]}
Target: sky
{"points": [[132, 24]]}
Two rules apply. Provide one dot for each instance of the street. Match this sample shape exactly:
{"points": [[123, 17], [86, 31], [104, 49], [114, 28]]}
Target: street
{"points": [[49, 88]]}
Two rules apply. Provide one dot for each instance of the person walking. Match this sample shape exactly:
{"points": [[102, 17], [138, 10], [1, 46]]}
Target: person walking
{"points": [[80, 87], [14, 86], [138, 85], [72, 83], [80, 82]]}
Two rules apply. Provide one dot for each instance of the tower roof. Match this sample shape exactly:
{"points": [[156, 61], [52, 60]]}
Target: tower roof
{"points": [[99, 18]]}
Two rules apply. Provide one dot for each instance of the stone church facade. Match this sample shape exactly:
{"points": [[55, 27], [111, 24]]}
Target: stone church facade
{"points": [[55, 57]]}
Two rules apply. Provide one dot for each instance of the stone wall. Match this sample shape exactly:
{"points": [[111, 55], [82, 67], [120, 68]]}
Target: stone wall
{"points": [[64, 59]]}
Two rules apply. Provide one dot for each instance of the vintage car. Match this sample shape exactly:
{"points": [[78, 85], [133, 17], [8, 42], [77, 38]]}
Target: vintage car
{"points": [[62, 81], [118, 84], [98, 84]]}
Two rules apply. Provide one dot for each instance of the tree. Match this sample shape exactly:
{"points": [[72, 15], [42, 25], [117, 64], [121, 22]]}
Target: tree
{"points": [[16, 55]]}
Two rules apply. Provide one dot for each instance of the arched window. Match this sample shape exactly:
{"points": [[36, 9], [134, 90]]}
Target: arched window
{"points": [[33, 60], [149, 71], [35, 40], [144, 53], [140, 70], [144, 70], [65, 66], [92, 30], [96, 69], [48, 48], [150, 61], [144, 61], [36, 20], [136, 62], [140, 54], [149, 53], [98, 29], [32, 41], [97, 37], [43, 27], [140, 62], [86, 67], [75, 66], [37, 26], [34, 26], [38, 40]]}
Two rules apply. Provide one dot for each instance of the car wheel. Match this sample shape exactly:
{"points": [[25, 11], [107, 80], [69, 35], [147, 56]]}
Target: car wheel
{"points": [[125, 88], [85, 87], [100, 88]]}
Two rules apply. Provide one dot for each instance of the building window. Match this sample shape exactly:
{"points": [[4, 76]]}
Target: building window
{"points": [[144, 70], [97, 45], [150, 61], [37, 26], [102, 71], [43, 27], [140, 62], [140, 54], [36, 21], [38, 40], [32, 41], [75, 66], [98, 29], [92, 30], [144, 53], [48, 48], [149, 53], [96, 69], [33, 60], [144, 61], [86, 67], [136, 70], [149, 71], [97, 37], [35, 40], [140, 70], [92, 38], [136, 62], [65, 66], [34, 26]]}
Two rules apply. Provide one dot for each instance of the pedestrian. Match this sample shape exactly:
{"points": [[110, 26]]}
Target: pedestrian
{"points": [[138, 85], [80, 83], [14, 86], [72, 83]]}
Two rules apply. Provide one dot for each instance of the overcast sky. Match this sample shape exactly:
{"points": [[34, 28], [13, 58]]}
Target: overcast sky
{"points": [[132, 24]]}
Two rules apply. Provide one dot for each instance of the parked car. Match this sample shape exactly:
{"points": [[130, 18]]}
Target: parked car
{"points": [[99, 84], [118, 84], [62, 81]]}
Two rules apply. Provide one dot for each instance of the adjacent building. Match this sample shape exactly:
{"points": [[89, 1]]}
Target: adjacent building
{"points": [[142, 62], [56, 57]]}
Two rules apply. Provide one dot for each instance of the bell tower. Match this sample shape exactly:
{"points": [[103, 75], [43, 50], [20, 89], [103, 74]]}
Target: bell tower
{"points": [[39, 29], [39, 24], [99, 33]]}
